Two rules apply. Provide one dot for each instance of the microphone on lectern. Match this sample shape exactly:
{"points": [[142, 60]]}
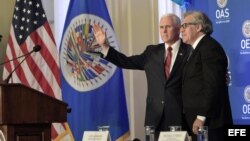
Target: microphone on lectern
{"points": [[35, 49]]}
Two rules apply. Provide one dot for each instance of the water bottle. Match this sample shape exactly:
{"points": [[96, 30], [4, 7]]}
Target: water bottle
{"points": [[150, 133], [202, 134], [175, 128], [105, 129]]}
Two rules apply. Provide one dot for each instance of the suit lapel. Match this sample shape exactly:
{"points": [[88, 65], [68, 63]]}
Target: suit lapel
{"points": [[162, 53], [161, 57], [194, 53], [179, 59], [189, 60]]}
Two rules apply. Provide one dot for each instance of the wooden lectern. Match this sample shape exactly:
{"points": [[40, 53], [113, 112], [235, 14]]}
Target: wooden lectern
{"points": [[26, 114]]}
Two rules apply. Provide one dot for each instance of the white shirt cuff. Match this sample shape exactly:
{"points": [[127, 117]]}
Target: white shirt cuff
{"points": [[105, 51], [202, 118]]}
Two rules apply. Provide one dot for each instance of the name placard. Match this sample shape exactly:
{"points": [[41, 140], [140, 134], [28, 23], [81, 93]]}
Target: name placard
{"points": [[174, 136], [95, 136]]}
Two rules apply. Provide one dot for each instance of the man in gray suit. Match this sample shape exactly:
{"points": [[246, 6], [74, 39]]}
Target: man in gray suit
{"points": [[164, 100]]}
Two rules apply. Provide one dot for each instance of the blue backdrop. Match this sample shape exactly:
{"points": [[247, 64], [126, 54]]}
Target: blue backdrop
{"points": [[231, 22]]}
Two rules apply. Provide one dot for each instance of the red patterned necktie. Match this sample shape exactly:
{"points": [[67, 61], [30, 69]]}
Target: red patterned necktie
{"points": [[168, 62]]}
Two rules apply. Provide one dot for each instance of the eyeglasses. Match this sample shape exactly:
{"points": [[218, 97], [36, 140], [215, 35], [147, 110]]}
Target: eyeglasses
{"points": [[185, 25], [166, 26]]}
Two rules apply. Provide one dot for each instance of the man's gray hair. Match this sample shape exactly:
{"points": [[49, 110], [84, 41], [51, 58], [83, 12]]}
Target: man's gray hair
{"points": [[201, 18], [176, 19]]}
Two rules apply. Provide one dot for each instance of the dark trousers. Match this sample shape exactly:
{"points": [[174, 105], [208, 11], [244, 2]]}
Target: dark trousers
{"points": [[163, 126]]}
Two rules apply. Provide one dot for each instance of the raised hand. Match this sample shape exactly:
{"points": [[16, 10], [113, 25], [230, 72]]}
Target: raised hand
{"points": [[99, 34]]}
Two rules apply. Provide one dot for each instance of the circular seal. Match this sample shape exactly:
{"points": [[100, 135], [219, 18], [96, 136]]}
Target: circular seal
{"points": [[246, 29], [221, 3], [80, 61], [247, 94]]}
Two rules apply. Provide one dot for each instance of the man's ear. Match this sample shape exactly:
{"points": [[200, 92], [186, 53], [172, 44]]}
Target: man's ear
{"points": [[198, 27]]}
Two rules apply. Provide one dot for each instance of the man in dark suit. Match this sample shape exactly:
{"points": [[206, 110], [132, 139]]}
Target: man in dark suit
{"points": [[204, 90], [164, 100]]}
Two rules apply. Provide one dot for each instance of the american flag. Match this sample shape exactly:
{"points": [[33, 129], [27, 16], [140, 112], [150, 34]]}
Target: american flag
{"points": [[39, 70]]}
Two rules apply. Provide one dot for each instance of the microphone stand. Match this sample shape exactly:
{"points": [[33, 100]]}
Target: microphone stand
{"points": [[16, 58], [6, 80], [35, 49]]}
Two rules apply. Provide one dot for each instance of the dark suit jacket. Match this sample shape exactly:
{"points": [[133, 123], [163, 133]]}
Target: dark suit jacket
{"points": [[204, 90], [164, 96]]}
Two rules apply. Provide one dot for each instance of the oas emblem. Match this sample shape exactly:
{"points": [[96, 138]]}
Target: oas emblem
{"points": [[82, 68], [221, 3], [247, 94], [246, 28]]}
